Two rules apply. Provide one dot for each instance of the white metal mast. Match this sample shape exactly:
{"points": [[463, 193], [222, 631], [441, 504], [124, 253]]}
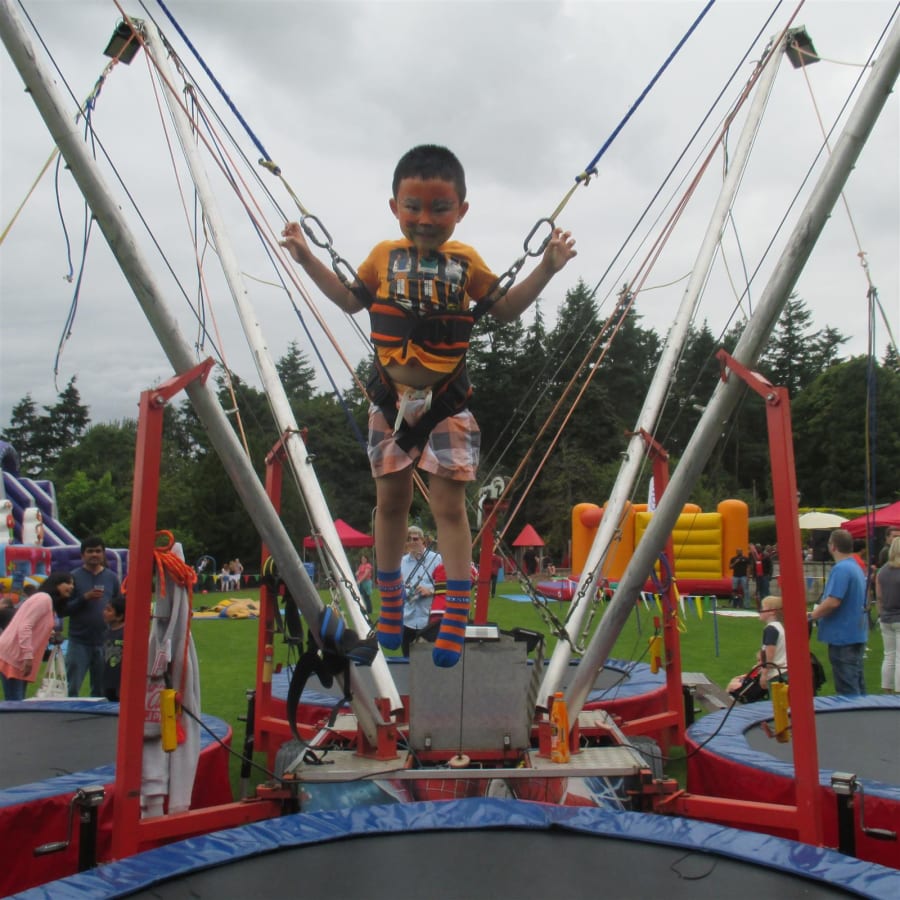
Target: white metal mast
{"points": [[872, 100], [62, 126], [298, 457], [629, 471]]}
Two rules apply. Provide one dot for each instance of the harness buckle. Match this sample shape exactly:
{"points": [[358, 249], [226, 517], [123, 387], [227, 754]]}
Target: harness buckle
{"points": [[406, 399]]}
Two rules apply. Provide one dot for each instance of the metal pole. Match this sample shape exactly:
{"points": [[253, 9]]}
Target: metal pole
{"points": [[295, 449], [622, 490], [62, 127], [803, 238]]}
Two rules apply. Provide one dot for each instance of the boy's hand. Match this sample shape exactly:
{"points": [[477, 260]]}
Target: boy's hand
{"points": [[559, 250], [295, 242]]}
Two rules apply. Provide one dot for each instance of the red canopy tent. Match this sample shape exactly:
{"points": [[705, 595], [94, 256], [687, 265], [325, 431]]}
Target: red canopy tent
{"points": [[528, 537], [879, 518], [348, 535]]}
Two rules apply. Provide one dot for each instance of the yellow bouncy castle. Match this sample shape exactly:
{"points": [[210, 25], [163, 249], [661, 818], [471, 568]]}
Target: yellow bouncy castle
{"points": [[703, 542]]}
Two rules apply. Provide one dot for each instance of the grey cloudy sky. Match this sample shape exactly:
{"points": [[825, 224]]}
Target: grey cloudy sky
{"points": [[524, 92]]}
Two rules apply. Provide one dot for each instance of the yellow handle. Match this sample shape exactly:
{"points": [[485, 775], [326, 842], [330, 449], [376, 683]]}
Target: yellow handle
{"points": [[167, 717], [780, 705]]}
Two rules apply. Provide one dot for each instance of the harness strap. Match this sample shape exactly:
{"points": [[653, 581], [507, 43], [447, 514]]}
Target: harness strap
{"points": [[448, 397], [341, 646]]}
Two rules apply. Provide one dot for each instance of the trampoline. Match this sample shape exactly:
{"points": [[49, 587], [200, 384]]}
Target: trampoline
{"points": [[856, 735], [516, 849], [49, 750], [625, 689]]}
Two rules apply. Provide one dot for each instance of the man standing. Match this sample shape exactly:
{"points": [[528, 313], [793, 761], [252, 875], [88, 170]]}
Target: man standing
{"points": [[841, 616], [95, 586], [417, 571], [740, 583]]}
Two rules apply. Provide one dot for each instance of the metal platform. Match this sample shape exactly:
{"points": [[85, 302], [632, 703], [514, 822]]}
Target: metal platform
{"points": [[346, 765]]}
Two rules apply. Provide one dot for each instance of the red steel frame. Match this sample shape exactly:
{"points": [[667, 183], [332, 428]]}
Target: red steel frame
{"points": [[132, 834], [806, 815], [669, 724], [270, 729]]}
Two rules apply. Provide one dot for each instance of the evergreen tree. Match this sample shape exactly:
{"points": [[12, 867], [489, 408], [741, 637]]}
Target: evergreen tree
{"points": [[40, 438], [24, 425], [830, 444], [297, 374], [796, 354], [695, 380], [499, 401]]}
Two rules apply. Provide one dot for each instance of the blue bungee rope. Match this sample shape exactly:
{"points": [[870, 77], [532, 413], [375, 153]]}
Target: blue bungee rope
{"points": [[590, 169], [267, 160]]}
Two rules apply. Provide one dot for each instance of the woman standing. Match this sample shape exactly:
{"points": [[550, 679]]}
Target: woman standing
{"points": [[887, 596], [23, 641], [364, 581]]}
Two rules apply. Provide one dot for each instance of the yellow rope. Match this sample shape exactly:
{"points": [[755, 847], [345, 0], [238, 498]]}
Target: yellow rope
{"points": [[31, 190]]}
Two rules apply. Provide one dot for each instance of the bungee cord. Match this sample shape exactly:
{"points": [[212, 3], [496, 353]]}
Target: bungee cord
{"points": [[621, 278], [638, 283]]}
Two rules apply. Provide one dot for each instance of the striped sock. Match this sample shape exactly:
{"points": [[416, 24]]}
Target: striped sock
{"points": [[390, 622], [452, 634]]}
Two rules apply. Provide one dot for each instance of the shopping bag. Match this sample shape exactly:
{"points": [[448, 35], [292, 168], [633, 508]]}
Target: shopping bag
{"points": [[55, 685]]}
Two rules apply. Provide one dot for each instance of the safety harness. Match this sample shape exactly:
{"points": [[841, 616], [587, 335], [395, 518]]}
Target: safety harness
{"points": [[340, 646], [439, 332]]}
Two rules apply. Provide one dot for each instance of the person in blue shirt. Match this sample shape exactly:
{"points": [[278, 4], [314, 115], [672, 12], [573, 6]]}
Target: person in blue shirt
{"points": [[841, 616], [95, 586]]}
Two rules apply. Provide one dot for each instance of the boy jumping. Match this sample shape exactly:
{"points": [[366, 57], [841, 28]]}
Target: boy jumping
{"points": [[424, 293]]}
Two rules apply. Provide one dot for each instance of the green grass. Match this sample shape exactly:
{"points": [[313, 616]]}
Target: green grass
{"points": [[227, 652]]}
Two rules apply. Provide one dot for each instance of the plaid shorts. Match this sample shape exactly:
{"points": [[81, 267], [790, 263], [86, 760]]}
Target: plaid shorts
{"points": [[452, 450]]}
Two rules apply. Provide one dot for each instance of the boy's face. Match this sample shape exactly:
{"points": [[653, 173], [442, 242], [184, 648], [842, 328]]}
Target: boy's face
{"points": [[428, 211]]}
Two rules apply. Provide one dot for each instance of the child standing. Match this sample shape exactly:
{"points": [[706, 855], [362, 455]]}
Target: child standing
{"points": [[113, 641], [423, 293]]}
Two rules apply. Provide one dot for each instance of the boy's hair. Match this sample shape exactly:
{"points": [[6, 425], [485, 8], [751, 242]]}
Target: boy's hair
{"points": [[93, 541], [431, 161], [771, 602], [118, 605]]}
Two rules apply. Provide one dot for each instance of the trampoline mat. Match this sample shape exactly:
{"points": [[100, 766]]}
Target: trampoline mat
{"points": [[487, 864], [607, 679], [39, 745], [865, 742]]}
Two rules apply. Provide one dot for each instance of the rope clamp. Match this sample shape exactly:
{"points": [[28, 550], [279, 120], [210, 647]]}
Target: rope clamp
{"points": [[271, 166]]}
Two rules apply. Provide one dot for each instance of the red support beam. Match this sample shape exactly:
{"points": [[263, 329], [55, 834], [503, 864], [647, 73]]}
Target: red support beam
{"points": [[793, 592], [126, 837]]}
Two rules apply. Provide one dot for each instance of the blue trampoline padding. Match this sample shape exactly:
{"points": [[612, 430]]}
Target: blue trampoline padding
{"points": [[105, 774], [155, 866], [731, 742], [636, 679]]}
